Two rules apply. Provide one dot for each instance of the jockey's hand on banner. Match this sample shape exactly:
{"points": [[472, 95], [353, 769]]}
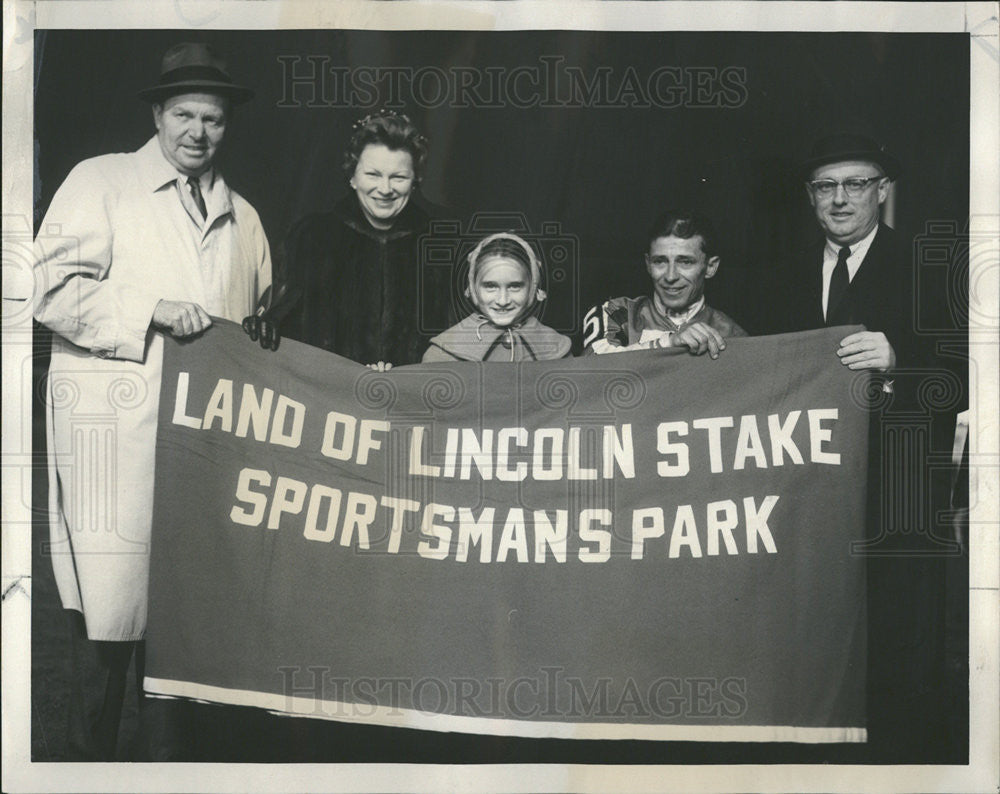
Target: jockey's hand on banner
{"points": [[699, 339], [180, 318], [867, 350], [381, 366]]}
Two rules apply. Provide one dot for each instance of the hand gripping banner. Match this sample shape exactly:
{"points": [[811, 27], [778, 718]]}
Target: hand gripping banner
{"points": [[633, 546]]}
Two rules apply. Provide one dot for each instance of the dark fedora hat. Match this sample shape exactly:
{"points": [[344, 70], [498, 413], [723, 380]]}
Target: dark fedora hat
{"points": [[194, 68], [845, 146]]}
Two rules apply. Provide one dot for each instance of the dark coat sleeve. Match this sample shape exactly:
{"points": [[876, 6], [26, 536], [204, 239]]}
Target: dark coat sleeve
{"points": [[290, 281], [880, 297]]}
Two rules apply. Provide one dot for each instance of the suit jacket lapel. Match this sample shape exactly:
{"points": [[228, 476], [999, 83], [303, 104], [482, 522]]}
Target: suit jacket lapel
{"points": [[861, 285], [868, 271]]}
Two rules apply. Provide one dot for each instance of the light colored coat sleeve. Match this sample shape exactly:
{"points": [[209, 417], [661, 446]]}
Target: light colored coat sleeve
{"points": [[259, 249], [74, 296]]}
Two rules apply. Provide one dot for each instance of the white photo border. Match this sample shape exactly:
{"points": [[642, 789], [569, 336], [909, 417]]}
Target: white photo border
{"points": [[21, 18]]}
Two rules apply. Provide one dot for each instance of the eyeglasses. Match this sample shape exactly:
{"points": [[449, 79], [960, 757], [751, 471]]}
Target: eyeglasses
{"points": [[853, 187]]}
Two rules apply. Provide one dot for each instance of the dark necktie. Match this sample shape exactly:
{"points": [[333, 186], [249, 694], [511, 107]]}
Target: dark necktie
{"points": [[838, 282], [199, 199]]}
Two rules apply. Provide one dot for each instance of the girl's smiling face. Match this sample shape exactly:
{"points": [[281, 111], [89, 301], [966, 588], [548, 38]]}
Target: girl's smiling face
{"points": [[502, 289]]}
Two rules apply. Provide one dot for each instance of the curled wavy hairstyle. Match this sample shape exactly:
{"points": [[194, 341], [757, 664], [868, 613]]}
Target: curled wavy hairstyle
{"points": [[394, 131]]}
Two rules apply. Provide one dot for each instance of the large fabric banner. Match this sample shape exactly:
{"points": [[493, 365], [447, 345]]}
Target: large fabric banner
{"points": [[643, 545]]}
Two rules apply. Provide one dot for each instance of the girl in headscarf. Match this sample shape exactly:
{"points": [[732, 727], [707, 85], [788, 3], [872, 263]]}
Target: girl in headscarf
{"points": [[504, 286]]}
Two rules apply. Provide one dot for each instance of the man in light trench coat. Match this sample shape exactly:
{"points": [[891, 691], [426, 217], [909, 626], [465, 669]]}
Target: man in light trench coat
{"points": [[133, 246]]}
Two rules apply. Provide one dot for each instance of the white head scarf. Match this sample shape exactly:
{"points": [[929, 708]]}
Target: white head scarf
{"points": [[518, 250]]}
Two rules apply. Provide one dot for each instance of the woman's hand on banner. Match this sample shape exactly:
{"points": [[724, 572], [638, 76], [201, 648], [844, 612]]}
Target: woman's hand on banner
{"points": [[275, 304], [261, 329]]}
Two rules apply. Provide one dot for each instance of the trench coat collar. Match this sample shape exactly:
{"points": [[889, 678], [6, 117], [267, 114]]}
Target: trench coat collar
{"points": [[157, 172]]}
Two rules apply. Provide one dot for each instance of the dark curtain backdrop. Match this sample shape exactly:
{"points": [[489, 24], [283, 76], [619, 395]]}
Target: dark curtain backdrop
{"points": [[600, 173], [595, 176]]}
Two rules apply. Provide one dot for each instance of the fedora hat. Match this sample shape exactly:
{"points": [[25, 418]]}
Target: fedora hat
{"points": [[190, 68], [845, 146]]}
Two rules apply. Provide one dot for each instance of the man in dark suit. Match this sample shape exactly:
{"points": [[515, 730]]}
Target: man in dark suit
{"points": [[861, 273]]}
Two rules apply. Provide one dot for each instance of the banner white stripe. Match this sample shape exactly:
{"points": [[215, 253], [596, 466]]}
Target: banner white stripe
{"points": [[395, 717]]}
